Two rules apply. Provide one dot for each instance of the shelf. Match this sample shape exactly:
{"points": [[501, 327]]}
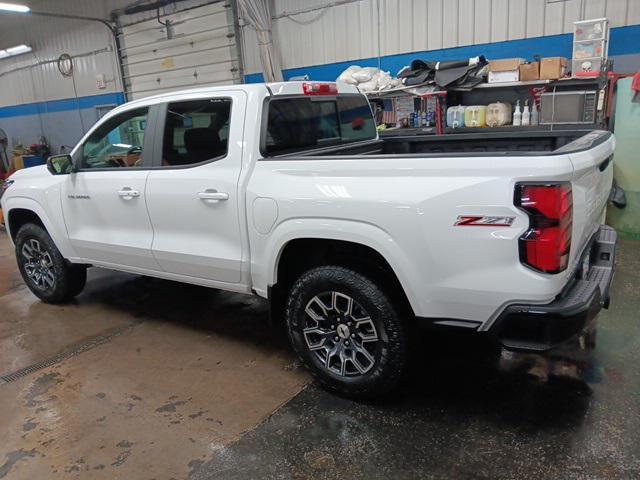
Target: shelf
{"points": [[562, 81], [507, 128], [504, 85], [590, 41]]}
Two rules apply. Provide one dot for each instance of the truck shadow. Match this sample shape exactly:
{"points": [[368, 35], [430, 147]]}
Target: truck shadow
{"points": [[457, 376], [449, 375]]}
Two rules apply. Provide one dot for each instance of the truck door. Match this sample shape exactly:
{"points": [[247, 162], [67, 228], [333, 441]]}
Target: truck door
{"points": [[193, 195], [103, 202]]}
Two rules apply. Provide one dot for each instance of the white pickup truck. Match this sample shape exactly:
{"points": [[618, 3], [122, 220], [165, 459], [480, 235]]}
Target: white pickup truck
{"points": [[285, 190]]}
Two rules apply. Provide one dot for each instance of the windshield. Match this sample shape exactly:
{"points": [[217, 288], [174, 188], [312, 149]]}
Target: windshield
{"points": [[303, 123]]}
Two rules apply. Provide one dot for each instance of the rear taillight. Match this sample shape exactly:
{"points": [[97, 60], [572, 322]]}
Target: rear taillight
{"points": [[546, 244], [319, 88]]}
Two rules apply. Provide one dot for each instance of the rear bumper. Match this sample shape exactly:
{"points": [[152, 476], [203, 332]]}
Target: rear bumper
{"points": [[538, 328]]}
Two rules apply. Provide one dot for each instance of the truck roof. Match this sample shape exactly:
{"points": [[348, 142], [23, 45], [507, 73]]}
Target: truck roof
{"points": [[274, 88]]}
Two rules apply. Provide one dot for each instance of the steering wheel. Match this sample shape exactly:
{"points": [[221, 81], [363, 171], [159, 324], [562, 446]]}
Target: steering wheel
{"points": [[120, 162]]}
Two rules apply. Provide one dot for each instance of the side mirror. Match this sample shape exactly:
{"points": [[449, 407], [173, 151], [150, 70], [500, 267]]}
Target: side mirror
{"points": [[60, 164]]}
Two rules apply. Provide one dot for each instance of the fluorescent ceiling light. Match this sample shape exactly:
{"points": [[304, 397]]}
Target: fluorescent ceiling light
{"points": [[17, 50], [14, 7]]}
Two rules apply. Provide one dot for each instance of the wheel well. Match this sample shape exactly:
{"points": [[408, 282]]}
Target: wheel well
{"points": [[301, 255], [19, 217]]}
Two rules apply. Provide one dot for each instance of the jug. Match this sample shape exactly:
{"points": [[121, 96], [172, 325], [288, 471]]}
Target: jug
{"points": [[455, 116], [475, 116]]}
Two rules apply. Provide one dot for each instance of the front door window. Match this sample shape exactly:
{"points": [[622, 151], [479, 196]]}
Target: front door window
{"points": [[118, 142]]}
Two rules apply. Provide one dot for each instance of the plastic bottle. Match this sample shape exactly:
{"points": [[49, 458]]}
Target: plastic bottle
{"points": [[534, 114], [526, 115], [517, 115]]}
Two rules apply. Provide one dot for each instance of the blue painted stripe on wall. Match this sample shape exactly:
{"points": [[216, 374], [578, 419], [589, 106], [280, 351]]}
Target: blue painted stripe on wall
{"points": [[63, 105], [623, 41]]}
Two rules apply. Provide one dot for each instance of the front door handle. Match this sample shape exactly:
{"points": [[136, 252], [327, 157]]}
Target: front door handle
{"points": [[127, 193], [213, 195]]}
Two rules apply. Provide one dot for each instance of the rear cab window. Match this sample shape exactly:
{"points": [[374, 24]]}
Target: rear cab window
{"points": [[196, 131], [303, 123]]}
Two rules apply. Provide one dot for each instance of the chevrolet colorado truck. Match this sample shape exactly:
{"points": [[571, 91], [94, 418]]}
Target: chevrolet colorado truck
{"points": [[286, 191]]}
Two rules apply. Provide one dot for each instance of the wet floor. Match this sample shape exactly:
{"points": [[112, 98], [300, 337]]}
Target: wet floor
{"points": [[461, 418], [141, 378], [152, 379]]}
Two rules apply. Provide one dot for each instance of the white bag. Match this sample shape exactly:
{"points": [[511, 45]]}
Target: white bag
{"points": [[347, 75]]}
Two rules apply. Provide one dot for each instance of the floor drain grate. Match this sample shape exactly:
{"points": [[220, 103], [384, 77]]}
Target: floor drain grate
{"points": [[65, 354]]}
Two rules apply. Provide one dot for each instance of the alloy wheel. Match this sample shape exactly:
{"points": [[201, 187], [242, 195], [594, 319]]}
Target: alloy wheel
{"points": [[38, 264], [341, 334]]}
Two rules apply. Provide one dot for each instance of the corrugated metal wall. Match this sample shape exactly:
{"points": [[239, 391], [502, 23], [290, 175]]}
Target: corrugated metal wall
{"points": [[349, 30], [35, 98], [92, 43]]}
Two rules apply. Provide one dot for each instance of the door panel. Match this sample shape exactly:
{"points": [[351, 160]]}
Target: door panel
{"points": [[104, 202], [107, 219], [194, 208]]}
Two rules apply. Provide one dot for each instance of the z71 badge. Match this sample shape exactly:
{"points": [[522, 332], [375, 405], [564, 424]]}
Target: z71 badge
{"points": [[480, 221]]}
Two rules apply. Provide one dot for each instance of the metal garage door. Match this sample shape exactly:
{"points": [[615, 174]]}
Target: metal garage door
{"points": [[198, 48]]}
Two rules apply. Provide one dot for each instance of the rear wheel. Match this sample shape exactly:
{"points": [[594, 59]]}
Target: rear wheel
{"points": [[43, 268], [347, 332]]}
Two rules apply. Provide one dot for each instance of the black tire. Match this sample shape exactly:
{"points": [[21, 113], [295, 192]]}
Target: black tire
{"points": [[63, 281], [390, 351]]}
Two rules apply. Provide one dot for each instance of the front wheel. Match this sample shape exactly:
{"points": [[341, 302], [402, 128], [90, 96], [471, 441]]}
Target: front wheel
{"points": [[43, 268], [347, 332]]}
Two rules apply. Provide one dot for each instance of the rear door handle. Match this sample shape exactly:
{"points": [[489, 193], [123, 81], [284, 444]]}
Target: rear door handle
{"points": [[127, 193], [213, 195]]}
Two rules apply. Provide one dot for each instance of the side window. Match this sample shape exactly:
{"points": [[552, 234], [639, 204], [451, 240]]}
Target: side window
{"points": [[196, 131], [118, 142]]}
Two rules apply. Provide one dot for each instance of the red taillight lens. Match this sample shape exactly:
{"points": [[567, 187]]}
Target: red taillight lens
{"points": [[320, 88], [552, 202], [546, 245]]}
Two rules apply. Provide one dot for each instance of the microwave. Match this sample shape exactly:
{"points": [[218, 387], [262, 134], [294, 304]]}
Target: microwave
{"points": [[557, 108]]}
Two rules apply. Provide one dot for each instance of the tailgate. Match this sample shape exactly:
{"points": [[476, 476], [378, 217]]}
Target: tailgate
{"points": [[592, 159]]}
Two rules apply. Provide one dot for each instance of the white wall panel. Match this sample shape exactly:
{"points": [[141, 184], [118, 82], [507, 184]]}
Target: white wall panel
{"points": [[499, 20], [482, 21], [419, 25], [572, 13], [595, 8], [466, 22], [434, 24], [554, 18], [38, 81], [616, 12], [450, 24], [517, 19], [633, 12]]}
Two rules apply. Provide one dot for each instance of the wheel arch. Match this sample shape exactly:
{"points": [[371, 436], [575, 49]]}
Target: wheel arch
{"points": [[20, 210], [360, 246], [18, 217]]}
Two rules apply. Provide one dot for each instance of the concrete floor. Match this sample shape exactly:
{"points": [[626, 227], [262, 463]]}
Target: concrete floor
{"points": [[152, 379]]}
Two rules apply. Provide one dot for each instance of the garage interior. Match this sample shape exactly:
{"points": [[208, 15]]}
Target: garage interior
{"points": [[143, 378]]}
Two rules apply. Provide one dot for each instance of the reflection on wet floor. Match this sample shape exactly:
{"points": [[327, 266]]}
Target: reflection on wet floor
{"points": [[461, 416], [188, 370]]}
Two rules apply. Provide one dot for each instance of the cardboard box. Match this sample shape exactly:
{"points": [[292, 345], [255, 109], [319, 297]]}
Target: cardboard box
{"points": [[505, 70], [501, 77], [553, 68], [505, 64], [529, 71]]}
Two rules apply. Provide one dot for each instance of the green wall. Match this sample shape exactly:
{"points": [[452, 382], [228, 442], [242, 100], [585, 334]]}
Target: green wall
{"points": [[626, 163]]}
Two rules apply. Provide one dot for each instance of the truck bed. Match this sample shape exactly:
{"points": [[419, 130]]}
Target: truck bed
{"points": [[518, 143]]}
